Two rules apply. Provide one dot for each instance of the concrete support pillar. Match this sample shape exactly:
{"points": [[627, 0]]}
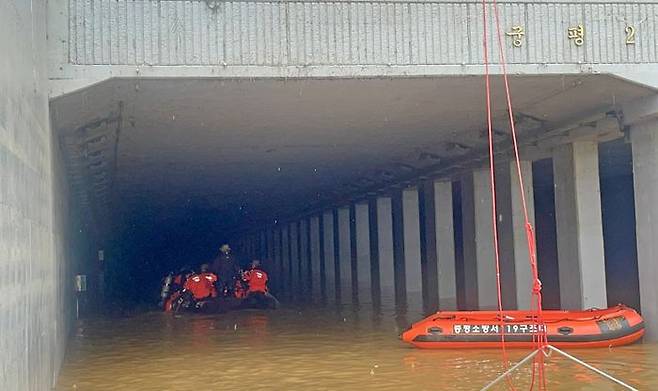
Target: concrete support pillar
{"points": [[269, 258], [373, 247], [428, 246], [385, 249], [294, 260], [644, 140], [445, 240], [336, 260], [344, 254], [317, 272], [516, 275], [479, 256], [285, 260], [397, 211], [412, 262], [254, 245], [579, 226], [262, 245], [353, 255], [276, 249], [363, 267], [304, 258], [329, 256]]}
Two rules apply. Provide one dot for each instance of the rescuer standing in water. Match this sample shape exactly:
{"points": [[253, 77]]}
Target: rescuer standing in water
{"points": [[226, 269]]}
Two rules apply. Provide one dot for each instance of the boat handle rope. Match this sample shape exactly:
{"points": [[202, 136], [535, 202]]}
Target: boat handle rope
{"points": [[547, 352]]}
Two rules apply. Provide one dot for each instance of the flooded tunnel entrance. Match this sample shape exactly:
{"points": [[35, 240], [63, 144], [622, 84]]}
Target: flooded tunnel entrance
{"points": [[360, 196], [344, 144]]}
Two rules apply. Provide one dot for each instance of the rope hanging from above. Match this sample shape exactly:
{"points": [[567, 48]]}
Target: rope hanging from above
{"points": [[539, 337]]}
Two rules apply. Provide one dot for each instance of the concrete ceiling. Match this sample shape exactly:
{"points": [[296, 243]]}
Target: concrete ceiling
{"points": [[250, 150]]}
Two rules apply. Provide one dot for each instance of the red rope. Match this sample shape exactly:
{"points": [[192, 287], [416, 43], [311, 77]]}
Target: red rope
{"points": [[492, 180], [530, 234], [539, 337]]}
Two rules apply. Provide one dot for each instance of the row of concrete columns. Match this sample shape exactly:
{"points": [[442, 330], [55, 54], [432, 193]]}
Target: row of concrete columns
{"points": [[398, 246], [403, 244]]}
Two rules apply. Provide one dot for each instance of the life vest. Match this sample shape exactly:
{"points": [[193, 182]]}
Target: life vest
{"points": [[201, 285], [257, 280]]}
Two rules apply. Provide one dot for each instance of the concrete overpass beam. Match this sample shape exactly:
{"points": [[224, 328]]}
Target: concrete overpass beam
{"points": [[642, 110], [516, 276], [579, 226], [644, 139], [479, 256]]}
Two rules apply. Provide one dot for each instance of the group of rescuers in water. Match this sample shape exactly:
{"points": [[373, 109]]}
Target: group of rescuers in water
{"points": [[221, 279]]}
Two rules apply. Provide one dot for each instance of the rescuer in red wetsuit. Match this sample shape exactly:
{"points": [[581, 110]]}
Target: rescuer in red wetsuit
{"points": [[202, 285], [256, 279]]}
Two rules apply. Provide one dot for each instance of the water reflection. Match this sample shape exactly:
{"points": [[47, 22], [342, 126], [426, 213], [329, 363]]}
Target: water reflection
{"points": [[307, 347]]}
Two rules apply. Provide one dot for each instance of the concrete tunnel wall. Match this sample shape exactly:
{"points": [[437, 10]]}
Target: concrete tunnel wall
{"points": [[36, 260]]}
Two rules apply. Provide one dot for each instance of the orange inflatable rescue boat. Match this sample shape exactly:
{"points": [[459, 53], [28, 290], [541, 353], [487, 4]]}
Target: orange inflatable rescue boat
{"points": [[614, 326]]}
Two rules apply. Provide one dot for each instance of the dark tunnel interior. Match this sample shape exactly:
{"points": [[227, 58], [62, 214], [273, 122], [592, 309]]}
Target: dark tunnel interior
{"points": [[189, 176], [152, 242]]}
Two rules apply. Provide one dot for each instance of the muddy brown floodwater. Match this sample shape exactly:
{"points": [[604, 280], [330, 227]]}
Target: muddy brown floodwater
{"points": [[307, 348]]}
